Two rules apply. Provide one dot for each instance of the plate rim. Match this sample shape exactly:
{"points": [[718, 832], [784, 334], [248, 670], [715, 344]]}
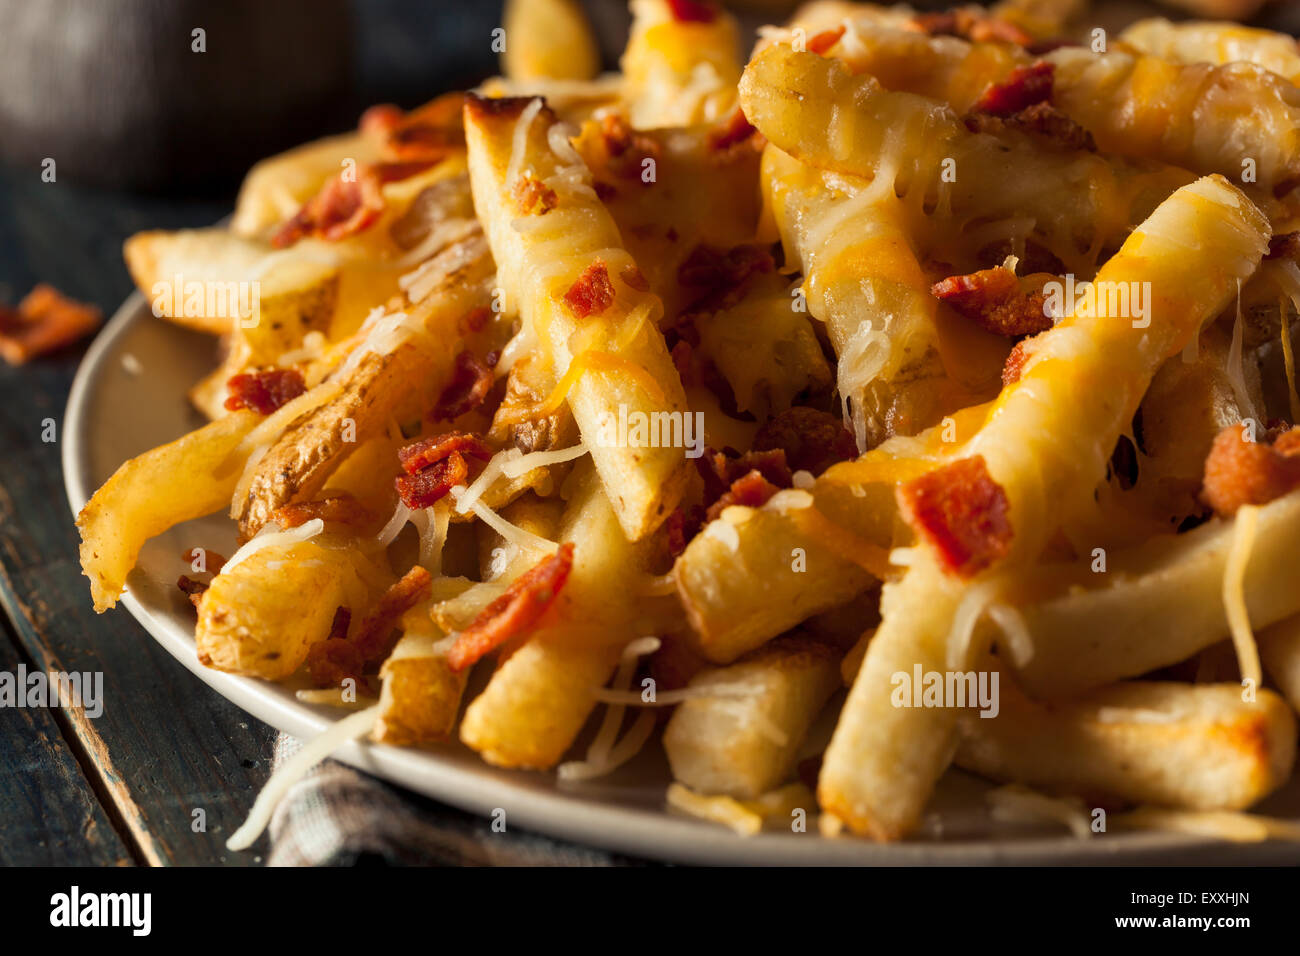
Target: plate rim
{"points": [[589, 821]]}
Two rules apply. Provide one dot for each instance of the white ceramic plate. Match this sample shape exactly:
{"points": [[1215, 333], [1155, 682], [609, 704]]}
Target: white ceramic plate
{"points": [[129, 396]]}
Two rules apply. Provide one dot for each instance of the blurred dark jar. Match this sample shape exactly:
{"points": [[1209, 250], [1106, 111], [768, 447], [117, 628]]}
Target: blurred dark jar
{"points": [[117, 94]]}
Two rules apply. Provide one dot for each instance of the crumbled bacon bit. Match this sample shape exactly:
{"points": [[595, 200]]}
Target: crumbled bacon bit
{"points": [[429, 451], [374, 636], [683, 356], [430, 485], [1015, 364], [475, 320], [748, 479], [675, 530], [264, 391], [349, 203], [1042, 120], [710, 266], [514, 612], [693, 11], [992, 298], [380, 120], [531, 194], [737, 130], [604, 191], [335, 509], [823, 41], [1023, 87], [633, 278], [1240, 472], [812, 440], [45, 320], [1285, 245], [962, 512], [592, 293], [212, 561], [627, 149], [973, 25], [750, 490], [471, 380], [335, 659], [193, 589]]}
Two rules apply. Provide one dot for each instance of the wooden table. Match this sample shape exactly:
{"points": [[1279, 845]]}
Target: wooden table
{"points": [[121, 788]]}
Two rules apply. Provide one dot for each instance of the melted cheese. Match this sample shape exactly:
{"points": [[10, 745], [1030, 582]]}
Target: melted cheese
{"points": [[1234, 596]]}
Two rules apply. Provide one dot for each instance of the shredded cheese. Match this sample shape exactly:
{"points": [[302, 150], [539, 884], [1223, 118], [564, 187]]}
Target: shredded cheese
{"points": [[1234, 594], [1222, 824], [295, 768], [728, 811], [1016, 804], [511, 532], [603, 756], [269, 536], [519, 141]]}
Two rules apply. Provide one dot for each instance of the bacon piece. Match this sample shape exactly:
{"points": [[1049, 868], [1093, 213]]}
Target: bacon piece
{"points": [[962, 512], [1041, 120], [335, 659], [1240, 472], [264, 391], [432, 484], [427, 134], [514, 612], [429, 451], [470, 383], [725, 274], [475, 320], [992, 298], [748, 479], [346, 205], [374, 636], [193, 589], [823, 41], [592, 293], [1023, 87], [625, 148], [812, 440], [335, 509], [530, 193], [738, 130], [212, 561], [1285, 245], [1015, 364], [378, 121], [750, 490], [44, 321], [973, 25], [693, 11]]}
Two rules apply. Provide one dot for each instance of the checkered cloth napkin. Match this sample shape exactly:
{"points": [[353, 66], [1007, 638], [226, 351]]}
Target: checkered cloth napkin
{"points": [[337, 816]]}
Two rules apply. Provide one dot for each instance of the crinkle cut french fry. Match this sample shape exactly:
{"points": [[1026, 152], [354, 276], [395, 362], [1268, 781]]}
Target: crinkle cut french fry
{"points": [[541, 253], [1197, 116], [1201, 41], [1279, 649], [863, 280], [1047, 451], [1156, 605], [188, 478], [1078, 204], [261, 617], [743, 742], [1196, 747], [540, 696], [679, 72]]}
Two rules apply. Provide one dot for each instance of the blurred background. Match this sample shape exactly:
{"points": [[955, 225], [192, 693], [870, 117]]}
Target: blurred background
{"points": [[182, 96]]}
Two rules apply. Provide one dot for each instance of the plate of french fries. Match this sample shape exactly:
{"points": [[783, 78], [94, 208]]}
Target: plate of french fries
{"points": [[875, 447]]}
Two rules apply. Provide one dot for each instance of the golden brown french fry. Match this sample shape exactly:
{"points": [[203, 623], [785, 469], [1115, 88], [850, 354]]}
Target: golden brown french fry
{"points": [[541, 695], [188, 478], [548, 40], [679, 72], [247, 627], [1047, 452], [743, 742], [607, 353], [1279, 649], [1155, 605], [1197, 747]]}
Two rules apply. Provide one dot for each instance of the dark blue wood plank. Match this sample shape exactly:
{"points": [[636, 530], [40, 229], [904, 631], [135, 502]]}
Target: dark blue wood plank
{"points": [[165, 745]]}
